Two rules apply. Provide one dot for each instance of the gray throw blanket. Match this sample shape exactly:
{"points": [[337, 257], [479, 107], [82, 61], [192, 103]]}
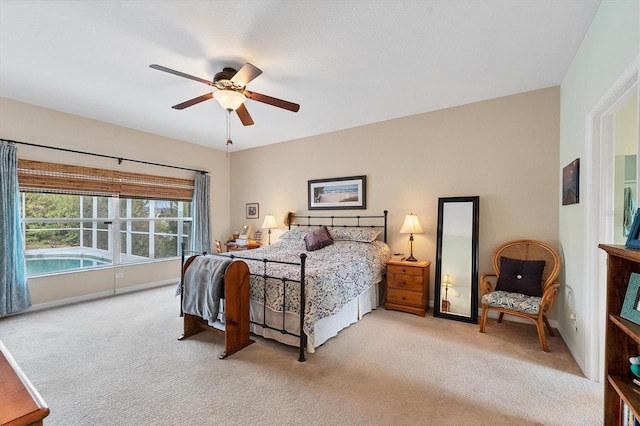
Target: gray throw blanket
{"points": [[204, 287]]}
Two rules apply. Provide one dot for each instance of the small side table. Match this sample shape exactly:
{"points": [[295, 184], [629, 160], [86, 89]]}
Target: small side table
{"points": [[231, 246], [408, 286]]}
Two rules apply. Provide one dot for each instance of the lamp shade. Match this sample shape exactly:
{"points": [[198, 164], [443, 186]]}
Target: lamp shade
{"points": [[269, 222], [229, 99], [446, 281], [411, 225]]}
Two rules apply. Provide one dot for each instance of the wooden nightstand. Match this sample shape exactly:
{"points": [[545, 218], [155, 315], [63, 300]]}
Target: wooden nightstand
{"points": [[408, 286], [239, 247]]}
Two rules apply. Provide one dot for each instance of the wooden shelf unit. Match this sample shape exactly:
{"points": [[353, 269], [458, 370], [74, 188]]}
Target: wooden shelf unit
{"points": [[622, 336], [20, 402]]}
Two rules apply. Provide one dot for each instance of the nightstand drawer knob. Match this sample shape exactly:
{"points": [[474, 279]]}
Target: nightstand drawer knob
{"points": [[404, 270]]}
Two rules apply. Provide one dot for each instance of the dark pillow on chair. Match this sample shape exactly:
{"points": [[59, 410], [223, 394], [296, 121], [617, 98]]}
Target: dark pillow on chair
{"points": [[520, 276], [318, 239]]}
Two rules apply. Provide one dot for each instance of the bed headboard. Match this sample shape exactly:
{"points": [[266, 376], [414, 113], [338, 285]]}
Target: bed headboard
{"points": [[341, 221]]}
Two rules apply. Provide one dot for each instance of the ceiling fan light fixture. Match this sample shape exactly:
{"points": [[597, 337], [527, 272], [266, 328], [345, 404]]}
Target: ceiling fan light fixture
{"points": [[229, 99]]}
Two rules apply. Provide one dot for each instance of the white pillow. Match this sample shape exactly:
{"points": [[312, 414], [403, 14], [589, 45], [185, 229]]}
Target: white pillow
{"points": [[296, 233], [364, 235]]}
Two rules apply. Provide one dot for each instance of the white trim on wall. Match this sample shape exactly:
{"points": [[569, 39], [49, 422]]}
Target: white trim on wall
{"points": [[598, 178]]}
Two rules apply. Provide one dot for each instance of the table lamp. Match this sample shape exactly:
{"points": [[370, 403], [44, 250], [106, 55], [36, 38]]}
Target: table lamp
{"points": [[446, 283], [411, 226], [269, 223]]}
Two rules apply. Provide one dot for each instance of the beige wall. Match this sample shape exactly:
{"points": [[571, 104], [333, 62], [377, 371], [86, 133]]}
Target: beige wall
{"points": [[28, 123], [504, 150]]}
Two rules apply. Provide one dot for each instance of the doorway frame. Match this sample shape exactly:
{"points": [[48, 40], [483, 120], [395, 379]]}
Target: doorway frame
{"points": [[599, 215]]}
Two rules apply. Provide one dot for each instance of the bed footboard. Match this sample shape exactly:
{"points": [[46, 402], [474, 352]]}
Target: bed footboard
{"points": [[238, 303], [236, 333]]}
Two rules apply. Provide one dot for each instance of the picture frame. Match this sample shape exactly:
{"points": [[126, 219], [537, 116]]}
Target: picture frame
{"points": [[631, 305], [253, 211], [571, 183], [342, 193], [633, 239], [245, 233]]}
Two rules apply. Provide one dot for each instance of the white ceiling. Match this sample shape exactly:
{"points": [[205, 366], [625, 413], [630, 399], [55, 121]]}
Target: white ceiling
{"points": [[347, 63]]}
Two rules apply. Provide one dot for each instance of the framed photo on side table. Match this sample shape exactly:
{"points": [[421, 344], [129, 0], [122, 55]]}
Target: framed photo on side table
{"points": [[245, 233], [253, 210], [631, 304]]}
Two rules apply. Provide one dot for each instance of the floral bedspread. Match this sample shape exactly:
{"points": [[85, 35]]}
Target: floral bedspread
{"points": [[334, 276]]}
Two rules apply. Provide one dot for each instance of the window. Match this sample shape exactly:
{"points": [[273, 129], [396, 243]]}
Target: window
{"points": [[122, 221], [63, 232], [153, 229]]}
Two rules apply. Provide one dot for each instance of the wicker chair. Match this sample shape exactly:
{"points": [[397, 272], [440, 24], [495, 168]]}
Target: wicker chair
{"points": [[529, 307]]}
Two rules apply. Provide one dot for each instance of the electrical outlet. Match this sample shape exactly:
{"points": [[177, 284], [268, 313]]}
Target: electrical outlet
{"points": [[456, 294], [119, 275], [574, 318]]}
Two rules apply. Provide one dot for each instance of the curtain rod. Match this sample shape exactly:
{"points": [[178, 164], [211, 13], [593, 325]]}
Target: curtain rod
{"points": [[120, 159]]}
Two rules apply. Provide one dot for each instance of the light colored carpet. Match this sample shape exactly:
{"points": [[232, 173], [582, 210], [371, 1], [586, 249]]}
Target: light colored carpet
{"points": [[116, 361]]}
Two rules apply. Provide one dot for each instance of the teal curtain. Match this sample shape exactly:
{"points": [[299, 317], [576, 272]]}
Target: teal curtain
{"points": [[14, 290], [201, 226]]}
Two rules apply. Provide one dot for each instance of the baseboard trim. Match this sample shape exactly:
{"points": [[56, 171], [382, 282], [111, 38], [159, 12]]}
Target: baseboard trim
{"points": [[514, 318], [99, 295], [145, 286]]}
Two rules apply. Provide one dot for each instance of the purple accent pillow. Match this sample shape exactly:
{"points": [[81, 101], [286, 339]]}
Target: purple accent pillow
{"points": [[315, 240], [520, 276]]}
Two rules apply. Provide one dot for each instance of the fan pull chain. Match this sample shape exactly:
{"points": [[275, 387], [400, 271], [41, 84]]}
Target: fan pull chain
{"points": [[229, 142]]}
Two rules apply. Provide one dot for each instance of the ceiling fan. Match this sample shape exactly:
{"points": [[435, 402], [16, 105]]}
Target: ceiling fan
{"points": [[231, 93]]}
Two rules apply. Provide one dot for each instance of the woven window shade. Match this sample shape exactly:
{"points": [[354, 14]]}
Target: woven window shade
{"points": [[135, 185], [40, 176]]}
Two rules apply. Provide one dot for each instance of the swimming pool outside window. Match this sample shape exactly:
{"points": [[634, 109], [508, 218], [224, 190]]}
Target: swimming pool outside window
{"points": [[88, 217], [65, 232]]}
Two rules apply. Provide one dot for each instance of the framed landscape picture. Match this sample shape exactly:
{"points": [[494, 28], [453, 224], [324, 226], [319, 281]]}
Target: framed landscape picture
{"points": [[338, 193]]}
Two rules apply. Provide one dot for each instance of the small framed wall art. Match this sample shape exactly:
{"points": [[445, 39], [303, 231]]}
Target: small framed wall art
{"points": [[253, 210], [571, 183]]}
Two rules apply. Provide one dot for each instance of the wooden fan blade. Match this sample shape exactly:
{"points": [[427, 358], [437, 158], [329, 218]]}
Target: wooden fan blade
{"points": [[243, 115], [193, 101], [272, 101], [247, 73], [181, 74]]}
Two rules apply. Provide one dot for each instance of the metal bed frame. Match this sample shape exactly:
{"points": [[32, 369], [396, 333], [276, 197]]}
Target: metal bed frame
{"points": [[291, 219]]}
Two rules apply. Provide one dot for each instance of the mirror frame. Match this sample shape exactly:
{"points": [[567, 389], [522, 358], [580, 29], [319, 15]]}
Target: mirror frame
{"points": [[437, 286]]}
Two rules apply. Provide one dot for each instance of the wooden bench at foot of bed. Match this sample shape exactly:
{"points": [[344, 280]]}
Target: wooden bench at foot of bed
{"points": [[236, 296]]}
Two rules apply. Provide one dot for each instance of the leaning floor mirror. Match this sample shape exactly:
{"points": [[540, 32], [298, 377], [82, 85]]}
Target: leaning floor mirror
{"points": [[456, 278]]}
